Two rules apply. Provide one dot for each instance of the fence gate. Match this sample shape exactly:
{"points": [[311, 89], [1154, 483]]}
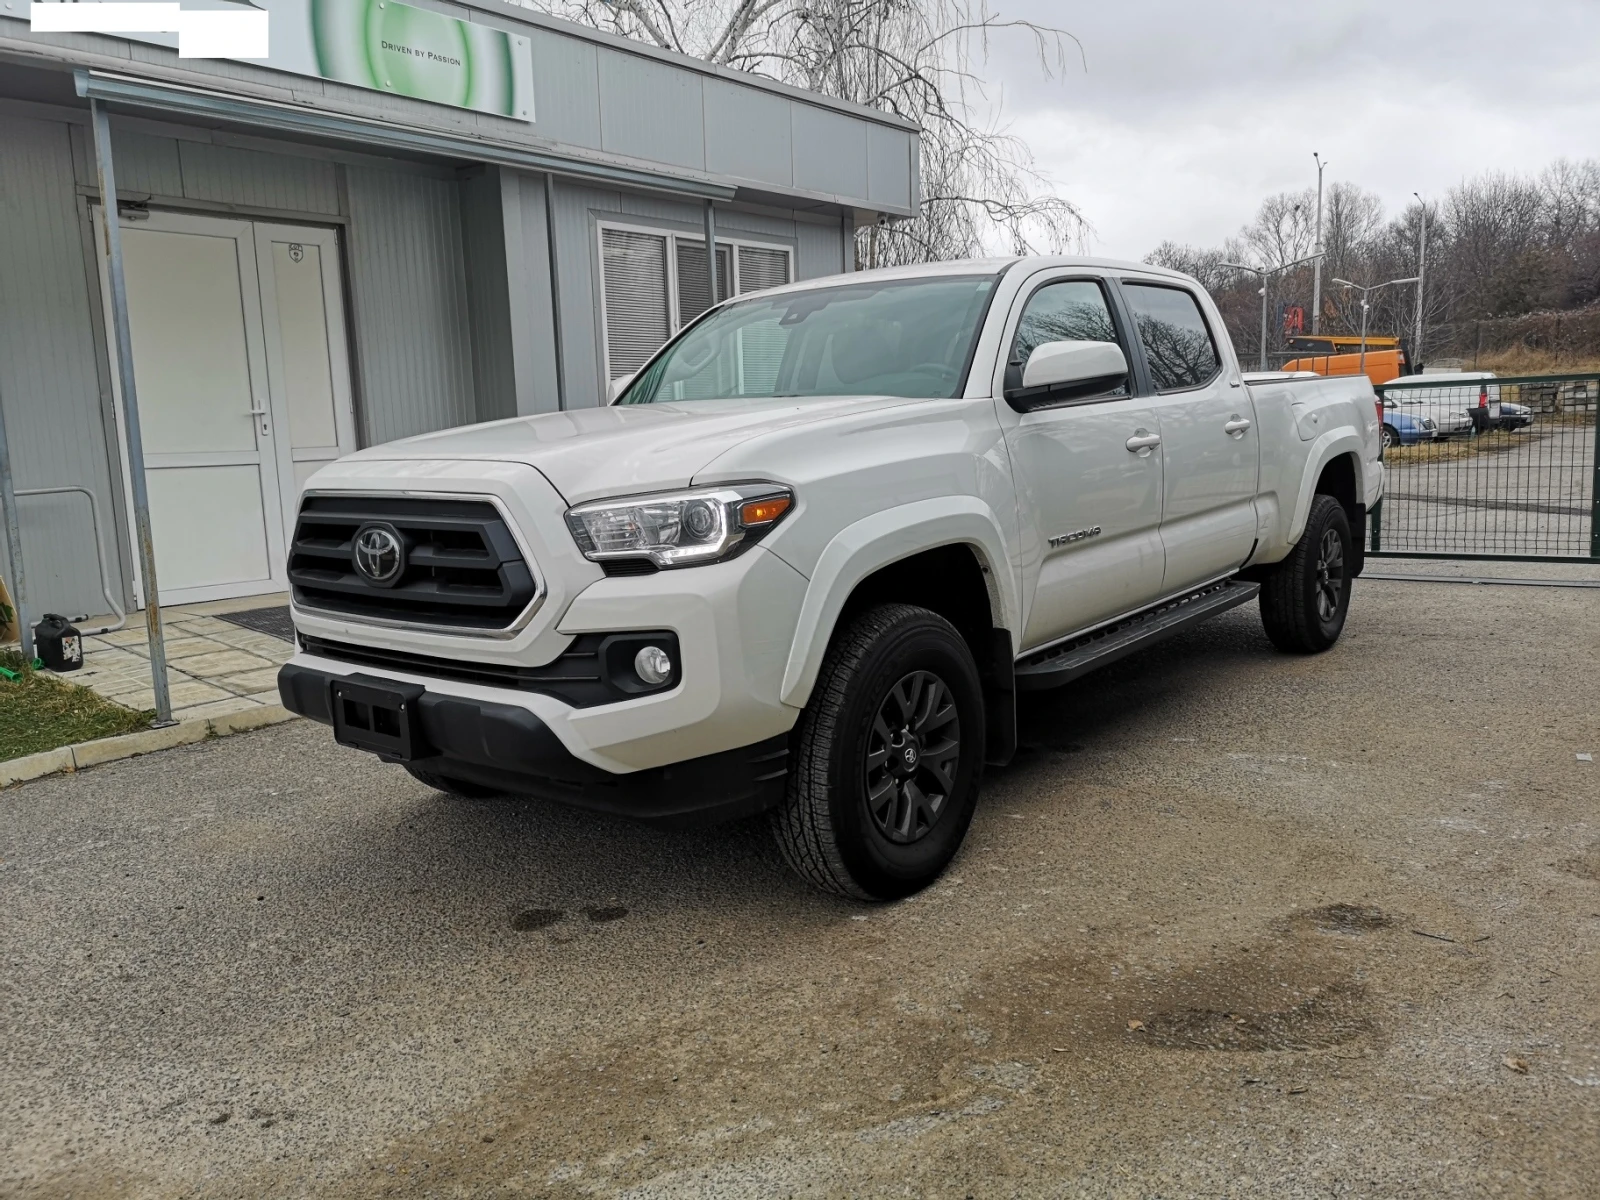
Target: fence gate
{"points": [[1490, 468]]}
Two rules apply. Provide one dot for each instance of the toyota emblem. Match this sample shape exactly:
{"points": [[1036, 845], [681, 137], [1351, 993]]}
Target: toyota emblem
{"points": [[379, 554]]}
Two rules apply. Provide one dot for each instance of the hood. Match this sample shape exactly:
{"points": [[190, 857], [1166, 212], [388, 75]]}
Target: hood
{"points": [[592, 453]]}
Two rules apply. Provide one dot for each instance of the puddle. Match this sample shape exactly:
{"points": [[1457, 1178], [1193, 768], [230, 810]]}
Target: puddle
{"points": [[536, 918], [1345, 918]]}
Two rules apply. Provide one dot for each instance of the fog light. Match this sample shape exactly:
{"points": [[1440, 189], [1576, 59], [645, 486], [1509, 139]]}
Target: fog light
{"points": [[653, 665]]}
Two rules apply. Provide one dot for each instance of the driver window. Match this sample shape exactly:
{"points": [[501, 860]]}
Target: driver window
{"points": [[1074, 310]]}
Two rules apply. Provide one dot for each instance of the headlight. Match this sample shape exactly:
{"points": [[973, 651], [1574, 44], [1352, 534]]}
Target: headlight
{"points": [[679, 529]]}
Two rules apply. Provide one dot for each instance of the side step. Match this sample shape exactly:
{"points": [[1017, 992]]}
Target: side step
{"points": [[1063, 663]]}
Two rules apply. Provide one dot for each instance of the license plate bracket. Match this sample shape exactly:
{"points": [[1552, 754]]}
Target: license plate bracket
{"points": [[379, 715]]}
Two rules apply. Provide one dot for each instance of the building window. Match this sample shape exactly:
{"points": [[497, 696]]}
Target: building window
{"points": [[655, 283]]}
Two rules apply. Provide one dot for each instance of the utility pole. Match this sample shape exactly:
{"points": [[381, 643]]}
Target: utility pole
{"points": [[1316, 270], [1422, 271], [1263, 274]]}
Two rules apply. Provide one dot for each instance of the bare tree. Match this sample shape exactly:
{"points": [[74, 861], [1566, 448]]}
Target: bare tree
{"points": [[914, 58]]}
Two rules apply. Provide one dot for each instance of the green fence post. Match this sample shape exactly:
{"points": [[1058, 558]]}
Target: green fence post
{"points": [[1377, 525], [1594, 485]]}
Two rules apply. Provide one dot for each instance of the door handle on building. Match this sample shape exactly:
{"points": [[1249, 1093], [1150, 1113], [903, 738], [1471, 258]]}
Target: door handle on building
{"points": [[1236, 426], [261, 415], [1142, 442]]}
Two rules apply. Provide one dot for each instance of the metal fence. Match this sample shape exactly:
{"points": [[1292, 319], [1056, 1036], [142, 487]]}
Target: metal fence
{"points": [[1491, 468]]}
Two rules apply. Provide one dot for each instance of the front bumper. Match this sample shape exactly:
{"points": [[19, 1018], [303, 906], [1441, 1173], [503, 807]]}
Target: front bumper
{"points": [[507, 747]]}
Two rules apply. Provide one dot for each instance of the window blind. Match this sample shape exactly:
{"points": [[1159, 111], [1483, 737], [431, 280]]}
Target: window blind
{"points": [[634, 266], [762, 268], [692, 282]]}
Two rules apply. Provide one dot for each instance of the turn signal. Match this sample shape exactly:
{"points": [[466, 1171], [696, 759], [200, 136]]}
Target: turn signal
{"points": [[764, 512]]}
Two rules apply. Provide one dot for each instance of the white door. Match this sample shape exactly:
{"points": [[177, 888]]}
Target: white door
{"points": [[1088, 474], [239, 356], [302, 310]]}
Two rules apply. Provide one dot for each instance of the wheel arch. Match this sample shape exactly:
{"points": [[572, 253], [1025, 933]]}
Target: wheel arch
{"points": [[946, 554]]}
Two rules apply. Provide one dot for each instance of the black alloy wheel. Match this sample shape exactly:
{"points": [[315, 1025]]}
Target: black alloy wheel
{"points": [[1306, 597], [1330, 575], [913, 753]]}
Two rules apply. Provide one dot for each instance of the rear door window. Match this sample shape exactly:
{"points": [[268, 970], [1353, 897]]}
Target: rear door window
{"points": [[1178, 345]]}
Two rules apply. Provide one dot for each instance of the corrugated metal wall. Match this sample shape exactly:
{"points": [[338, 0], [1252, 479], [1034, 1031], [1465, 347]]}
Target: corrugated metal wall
{"points": [[49, 383], [488, 306], [408, 275]]}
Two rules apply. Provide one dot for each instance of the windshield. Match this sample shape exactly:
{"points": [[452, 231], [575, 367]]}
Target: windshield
{"points": [[910, 337]]}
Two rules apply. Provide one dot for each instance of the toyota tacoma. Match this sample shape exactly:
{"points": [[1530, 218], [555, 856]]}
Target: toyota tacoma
{"points": [[808, 557]]}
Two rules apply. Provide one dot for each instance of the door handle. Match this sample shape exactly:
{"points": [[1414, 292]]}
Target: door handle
{"points": [[260, 414], [1236, 426], [1142, 442]]}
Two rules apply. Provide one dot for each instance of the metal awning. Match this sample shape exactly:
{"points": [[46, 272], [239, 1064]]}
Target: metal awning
{"points": [[125, 90]]}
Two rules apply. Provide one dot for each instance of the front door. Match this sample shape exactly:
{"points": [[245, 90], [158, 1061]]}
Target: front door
{"points": [[1208, 519], [1088, 476], [238, 349]]}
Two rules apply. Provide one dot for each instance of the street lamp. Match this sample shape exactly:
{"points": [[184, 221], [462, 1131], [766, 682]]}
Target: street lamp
{"points": [[1316, 271], [1366, 305], [1422, 271], [1263, 273]]}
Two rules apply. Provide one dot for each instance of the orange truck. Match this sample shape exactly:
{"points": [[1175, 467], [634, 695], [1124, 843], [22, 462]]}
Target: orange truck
{"points": [[1328, 354]]}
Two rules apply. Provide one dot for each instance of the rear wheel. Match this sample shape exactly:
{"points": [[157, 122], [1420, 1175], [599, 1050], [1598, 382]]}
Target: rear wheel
{"points": [[1391, 437], [464, 788], [1304, 600], [888, 757]]}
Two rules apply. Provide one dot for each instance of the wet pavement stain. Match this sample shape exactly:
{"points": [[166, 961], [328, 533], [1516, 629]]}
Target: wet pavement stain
{"points": [[536, 918], [1329, 1018], [602, 913], [1345, 918]]}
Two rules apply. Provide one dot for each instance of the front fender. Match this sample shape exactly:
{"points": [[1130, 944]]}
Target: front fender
{"points": [[876, 541]]}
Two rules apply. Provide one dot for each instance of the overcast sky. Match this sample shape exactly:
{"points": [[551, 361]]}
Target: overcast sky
{"points": [[1191, 111]]}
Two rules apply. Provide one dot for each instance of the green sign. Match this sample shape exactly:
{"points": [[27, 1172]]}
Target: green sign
{"points": [[414, 52], [389, 47]]}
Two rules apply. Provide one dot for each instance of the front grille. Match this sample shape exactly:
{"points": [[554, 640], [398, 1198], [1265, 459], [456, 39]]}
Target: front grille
{"points": [[576, 677], [463, 569]]}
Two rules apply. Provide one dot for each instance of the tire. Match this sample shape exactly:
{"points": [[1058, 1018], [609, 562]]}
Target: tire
{"points": [[863, 815], [461, 788], [1305, 600], [1390, 436]]}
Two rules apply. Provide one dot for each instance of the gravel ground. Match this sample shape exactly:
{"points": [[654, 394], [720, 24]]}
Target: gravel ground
{"points": [[1234, 924]]}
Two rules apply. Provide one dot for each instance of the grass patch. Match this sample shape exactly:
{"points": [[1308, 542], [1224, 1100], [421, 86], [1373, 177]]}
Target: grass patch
{"points": [[40, 712]]}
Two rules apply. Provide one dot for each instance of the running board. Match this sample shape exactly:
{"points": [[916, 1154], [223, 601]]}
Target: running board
{"points": [[1065, 662]]}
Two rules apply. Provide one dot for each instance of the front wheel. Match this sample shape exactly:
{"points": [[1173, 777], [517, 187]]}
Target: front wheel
{"points": [[1305, 599], [888, 757], [1390, 437]]}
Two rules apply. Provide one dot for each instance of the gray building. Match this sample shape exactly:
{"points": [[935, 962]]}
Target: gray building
{"points": [[469, 213]]}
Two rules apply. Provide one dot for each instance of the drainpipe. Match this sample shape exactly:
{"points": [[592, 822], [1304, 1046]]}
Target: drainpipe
{"points": [[711, 252], [8, 498], [130, 410], [555, 289]]}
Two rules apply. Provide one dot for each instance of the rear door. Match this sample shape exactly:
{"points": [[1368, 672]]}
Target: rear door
{"points": [[1087, 470], [1212, 460]]}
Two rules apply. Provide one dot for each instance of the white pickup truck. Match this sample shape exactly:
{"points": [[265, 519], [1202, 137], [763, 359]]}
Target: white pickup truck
{"points": [[809, 555]]}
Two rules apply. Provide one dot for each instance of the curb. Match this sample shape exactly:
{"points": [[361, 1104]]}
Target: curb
{"points": [[146, 741]]}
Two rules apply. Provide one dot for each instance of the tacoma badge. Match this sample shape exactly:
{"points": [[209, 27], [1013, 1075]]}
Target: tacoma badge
{"points": [[1077, 535]]}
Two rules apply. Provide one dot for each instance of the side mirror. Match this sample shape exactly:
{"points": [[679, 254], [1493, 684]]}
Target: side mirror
{"points": [[617, 386], [1058, 371]]}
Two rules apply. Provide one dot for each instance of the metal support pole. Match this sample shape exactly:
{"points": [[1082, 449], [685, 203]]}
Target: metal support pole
{"points": [[19, 592], [847, 248], [555, 290], [711, 252], [130, 410]]}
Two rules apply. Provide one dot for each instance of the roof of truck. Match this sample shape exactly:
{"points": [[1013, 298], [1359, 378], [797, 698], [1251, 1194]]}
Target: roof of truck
{"points": [[976, 266]]}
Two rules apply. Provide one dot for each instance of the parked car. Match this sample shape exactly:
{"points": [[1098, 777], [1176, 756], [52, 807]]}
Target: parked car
{"points": [[1458, 402], [807, 560], [1402, 427], [1512, 417]]}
